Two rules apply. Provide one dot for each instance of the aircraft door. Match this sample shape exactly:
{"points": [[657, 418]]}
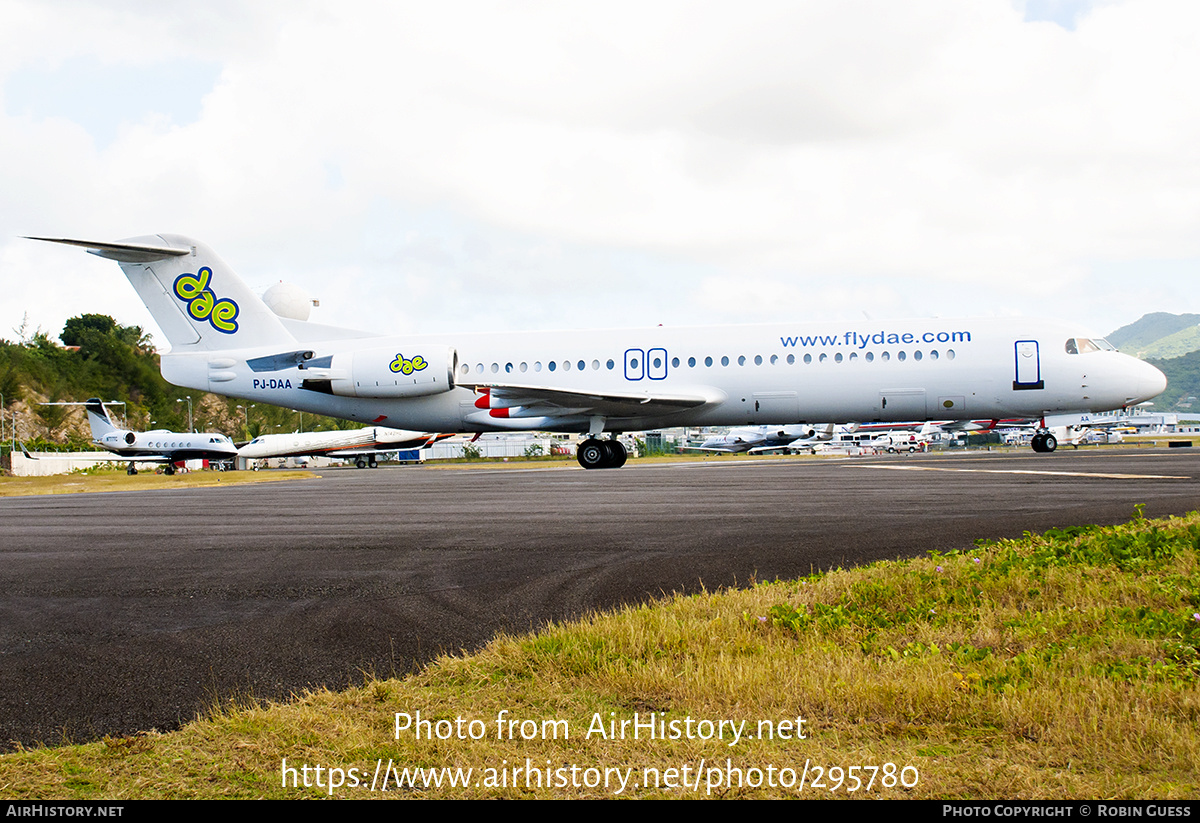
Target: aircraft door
{"points": [[635, 364], [782, 407], [902, 404], [1028, 366], [656, 364]]}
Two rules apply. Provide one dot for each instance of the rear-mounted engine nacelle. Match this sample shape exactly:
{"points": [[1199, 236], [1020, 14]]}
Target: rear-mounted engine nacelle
{"points": [[394, 372]]}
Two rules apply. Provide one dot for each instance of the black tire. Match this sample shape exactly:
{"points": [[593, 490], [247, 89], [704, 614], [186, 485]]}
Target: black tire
{"points": [[1049, 443], [593, 454], [619, 454]]}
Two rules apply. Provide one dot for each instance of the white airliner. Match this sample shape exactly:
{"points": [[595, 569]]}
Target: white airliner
{"points": [[362, 445], [159, 446], [224, 339]]}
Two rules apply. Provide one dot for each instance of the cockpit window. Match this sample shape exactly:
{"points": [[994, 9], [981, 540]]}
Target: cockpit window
{"points": [[1084, 345]]}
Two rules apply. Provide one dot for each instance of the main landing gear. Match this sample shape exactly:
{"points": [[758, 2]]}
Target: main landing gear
{"points": [[1044, 441], [601, 454]]}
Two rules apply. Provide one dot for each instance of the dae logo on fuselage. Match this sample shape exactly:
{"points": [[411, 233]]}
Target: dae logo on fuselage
{"points": [[202, 304], [403, 365]]}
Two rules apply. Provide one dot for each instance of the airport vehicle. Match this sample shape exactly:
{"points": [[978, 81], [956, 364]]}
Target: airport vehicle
{"points": [[754, 439], [901, 441], [158, 446], [363, 446], [224, 339]]}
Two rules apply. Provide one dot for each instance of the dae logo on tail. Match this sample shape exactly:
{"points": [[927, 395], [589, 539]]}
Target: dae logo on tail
{"points": [[405, 366], [203, 304]]}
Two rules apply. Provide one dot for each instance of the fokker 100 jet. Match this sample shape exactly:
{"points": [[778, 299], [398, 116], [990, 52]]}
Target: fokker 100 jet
{"points": [[224, 339]]}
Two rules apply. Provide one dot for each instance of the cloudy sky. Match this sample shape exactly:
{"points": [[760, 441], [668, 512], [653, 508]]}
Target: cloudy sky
{"points": [[430, 167]]}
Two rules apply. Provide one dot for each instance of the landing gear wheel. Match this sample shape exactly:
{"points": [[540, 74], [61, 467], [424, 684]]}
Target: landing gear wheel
{"points": [[360, 463], [619, 455], [593, 454], [169, 469], [371, 461], [131, 469], [1044, 443]]}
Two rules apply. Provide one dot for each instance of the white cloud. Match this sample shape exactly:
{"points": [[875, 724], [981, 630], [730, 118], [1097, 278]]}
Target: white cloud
{"points": [[488, 165]]}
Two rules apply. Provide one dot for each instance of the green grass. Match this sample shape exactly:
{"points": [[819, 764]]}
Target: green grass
{"points": [[1062, 665]]}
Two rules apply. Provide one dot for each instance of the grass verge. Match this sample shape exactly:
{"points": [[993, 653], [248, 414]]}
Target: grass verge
{"points": [[1062, 665], [116, 480]]}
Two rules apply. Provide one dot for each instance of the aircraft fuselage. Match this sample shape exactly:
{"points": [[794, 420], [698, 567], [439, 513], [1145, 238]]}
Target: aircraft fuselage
{"points": [[748, 375]]}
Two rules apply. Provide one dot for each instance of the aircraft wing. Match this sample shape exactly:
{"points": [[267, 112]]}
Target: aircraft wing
{"points": [[774, 448], [546, 401], [382, 447], [109, 458]]}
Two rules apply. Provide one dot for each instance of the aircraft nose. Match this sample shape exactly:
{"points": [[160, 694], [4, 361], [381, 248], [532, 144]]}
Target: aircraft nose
{"points": [[1151, 381]]}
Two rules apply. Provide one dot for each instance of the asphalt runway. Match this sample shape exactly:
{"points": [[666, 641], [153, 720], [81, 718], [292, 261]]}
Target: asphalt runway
{"points": [[128, 611]]}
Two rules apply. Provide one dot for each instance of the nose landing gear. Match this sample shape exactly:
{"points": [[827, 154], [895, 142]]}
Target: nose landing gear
{"points": [[1044, 442]]}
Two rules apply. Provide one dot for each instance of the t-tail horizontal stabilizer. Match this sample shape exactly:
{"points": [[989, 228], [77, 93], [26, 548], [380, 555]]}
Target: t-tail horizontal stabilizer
{"points": [[196, 299], [121, 252]]}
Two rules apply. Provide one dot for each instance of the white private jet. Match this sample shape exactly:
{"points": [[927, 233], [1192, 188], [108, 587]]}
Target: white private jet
{"points": [[224, 339], [158, 446], [753, 439], [361, 445]]}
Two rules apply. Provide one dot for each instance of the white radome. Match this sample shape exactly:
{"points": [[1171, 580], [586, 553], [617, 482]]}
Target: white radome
{"points": [[288, 300]]}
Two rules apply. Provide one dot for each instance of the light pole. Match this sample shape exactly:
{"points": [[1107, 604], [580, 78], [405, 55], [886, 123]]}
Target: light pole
{"points": [[246, 417], [191, 428]]}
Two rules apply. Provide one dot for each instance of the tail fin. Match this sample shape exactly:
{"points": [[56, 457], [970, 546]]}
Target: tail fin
{"points": [[98, 418], [196, 299]]}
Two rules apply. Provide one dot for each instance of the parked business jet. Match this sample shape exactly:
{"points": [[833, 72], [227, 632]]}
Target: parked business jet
{"points": [[361, 445], [754, 439], [159, 446], [224, 339]]}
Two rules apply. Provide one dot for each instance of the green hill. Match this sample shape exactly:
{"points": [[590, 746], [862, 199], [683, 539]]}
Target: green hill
{"points": [[1183, 382], [99, 357], [1160, 335]]}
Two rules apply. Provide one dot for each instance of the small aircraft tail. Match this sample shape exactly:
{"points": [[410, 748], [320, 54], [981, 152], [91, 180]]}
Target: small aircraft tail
{"points": [[98, 418], [196, 299]]}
